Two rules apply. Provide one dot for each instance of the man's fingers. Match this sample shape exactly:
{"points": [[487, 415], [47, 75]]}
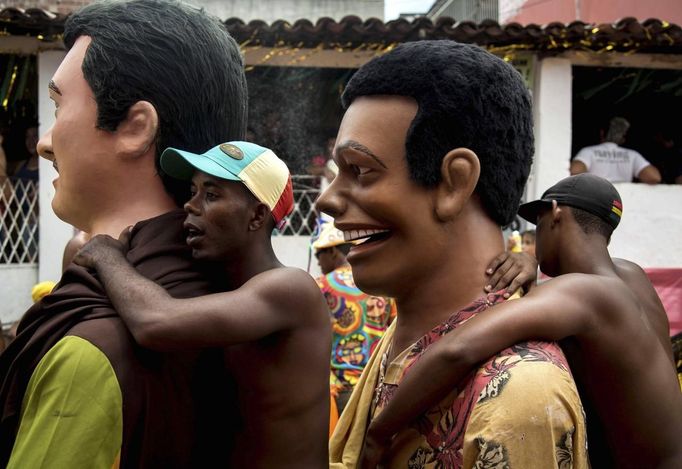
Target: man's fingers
{"points": [[495, 263], [124, 237], [513, 283], [505, 279], [494, 280]]}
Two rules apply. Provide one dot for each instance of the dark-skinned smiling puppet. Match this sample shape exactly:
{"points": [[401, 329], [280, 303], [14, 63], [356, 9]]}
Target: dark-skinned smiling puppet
{"points": [[433, 152]]}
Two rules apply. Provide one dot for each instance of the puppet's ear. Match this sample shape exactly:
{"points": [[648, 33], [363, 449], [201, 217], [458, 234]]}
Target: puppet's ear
{"points": [[136, 133], [460, 170]]}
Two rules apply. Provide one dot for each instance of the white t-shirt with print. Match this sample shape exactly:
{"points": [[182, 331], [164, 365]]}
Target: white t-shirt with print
{"points": [[614, 163]]}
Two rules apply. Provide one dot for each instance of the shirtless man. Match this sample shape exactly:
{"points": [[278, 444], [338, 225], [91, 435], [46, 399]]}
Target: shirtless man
{"points": [[613, 327], [272, 317]]}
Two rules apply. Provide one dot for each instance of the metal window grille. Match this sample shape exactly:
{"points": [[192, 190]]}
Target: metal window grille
{"points": [[303, 219], [19, 216], [18, 221]]}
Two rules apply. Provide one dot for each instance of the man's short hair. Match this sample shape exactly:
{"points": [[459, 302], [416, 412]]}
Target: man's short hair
{"points": [[172, 55], [591, 224], [618, 127], [467, 98]]}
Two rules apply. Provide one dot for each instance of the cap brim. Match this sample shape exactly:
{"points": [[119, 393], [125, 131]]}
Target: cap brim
{"points": [[182, 165], [530, 210]]}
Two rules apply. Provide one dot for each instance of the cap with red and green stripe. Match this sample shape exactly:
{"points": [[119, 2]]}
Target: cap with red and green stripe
{"points": [[585, 191], [265, 175]]}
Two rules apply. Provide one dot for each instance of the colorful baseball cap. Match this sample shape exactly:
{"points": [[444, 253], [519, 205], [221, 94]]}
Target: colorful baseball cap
{"points": [[262, 172], [585, 191]]}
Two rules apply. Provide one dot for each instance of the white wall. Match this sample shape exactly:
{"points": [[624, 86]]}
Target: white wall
{"points": [[16, 281], [54, 233], [294, 251], [292, 10], [552, 113], [650, 232]]}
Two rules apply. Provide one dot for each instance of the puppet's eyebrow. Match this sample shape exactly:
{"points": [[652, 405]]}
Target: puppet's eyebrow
{"points": [[362, 149]]}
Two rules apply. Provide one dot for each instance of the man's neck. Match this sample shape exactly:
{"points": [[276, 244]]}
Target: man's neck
{"points": [[456, 282], [145, 206], [585, 254], [252, 260]]}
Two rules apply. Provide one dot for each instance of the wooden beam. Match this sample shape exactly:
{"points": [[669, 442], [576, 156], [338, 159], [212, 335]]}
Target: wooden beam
{"points": [[622, 60]]}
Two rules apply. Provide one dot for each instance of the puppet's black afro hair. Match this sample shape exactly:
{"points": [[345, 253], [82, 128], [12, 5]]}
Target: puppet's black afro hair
{"points": [[467, 97]]}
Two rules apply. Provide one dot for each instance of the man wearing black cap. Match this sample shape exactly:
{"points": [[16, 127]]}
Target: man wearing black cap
{"points": [[611, 332]]}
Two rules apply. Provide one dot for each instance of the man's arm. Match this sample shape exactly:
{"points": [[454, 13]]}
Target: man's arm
{"points": [[5, 184], [72, 246], [649, 175], [577, 167], [272, 301], [551, 311]]}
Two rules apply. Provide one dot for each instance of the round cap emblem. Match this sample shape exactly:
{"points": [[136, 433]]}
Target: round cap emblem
{"points": [[232, 151]]}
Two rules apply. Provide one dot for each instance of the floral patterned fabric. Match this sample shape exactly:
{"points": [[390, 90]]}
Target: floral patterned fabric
{"points": [[520, 409]]}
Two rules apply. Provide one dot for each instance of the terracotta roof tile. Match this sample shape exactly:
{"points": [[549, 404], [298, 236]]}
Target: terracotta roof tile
{"points": [[652, 35]]}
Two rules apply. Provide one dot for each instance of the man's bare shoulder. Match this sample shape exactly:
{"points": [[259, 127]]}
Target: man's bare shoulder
{"points": [[291, 290], [600, 287], [604, 298]]}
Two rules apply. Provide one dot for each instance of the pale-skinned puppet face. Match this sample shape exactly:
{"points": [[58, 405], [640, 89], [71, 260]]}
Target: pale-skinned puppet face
{"points": [[80, 152]]}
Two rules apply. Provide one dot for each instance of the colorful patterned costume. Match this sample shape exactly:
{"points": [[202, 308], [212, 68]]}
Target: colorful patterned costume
{"points": [[359, 320], [519, 409]]}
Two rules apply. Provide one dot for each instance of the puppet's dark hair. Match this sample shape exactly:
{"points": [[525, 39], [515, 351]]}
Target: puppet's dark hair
{"points": [[468, 98], [175, 56]]}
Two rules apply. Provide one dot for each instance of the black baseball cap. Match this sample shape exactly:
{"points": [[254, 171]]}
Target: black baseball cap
{"points": [[585, 191]]}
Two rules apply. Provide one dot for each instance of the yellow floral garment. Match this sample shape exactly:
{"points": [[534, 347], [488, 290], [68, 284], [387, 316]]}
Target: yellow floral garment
{"points": [[520, 409]]}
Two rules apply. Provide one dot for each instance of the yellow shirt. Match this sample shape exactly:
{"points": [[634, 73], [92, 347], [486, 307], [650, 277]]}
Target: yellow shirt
{"points": [[519, 409]]}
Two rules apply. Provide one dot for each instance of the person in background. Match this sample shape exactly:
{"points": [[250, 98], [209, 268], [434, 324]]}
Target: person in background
{"points": [[528, 242], [323, 165], [75, 388], [358, 320], [39, 291], [666, 154], [3, 162], [27, 170], [5, 194], [25, 184], [612, 161]]}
